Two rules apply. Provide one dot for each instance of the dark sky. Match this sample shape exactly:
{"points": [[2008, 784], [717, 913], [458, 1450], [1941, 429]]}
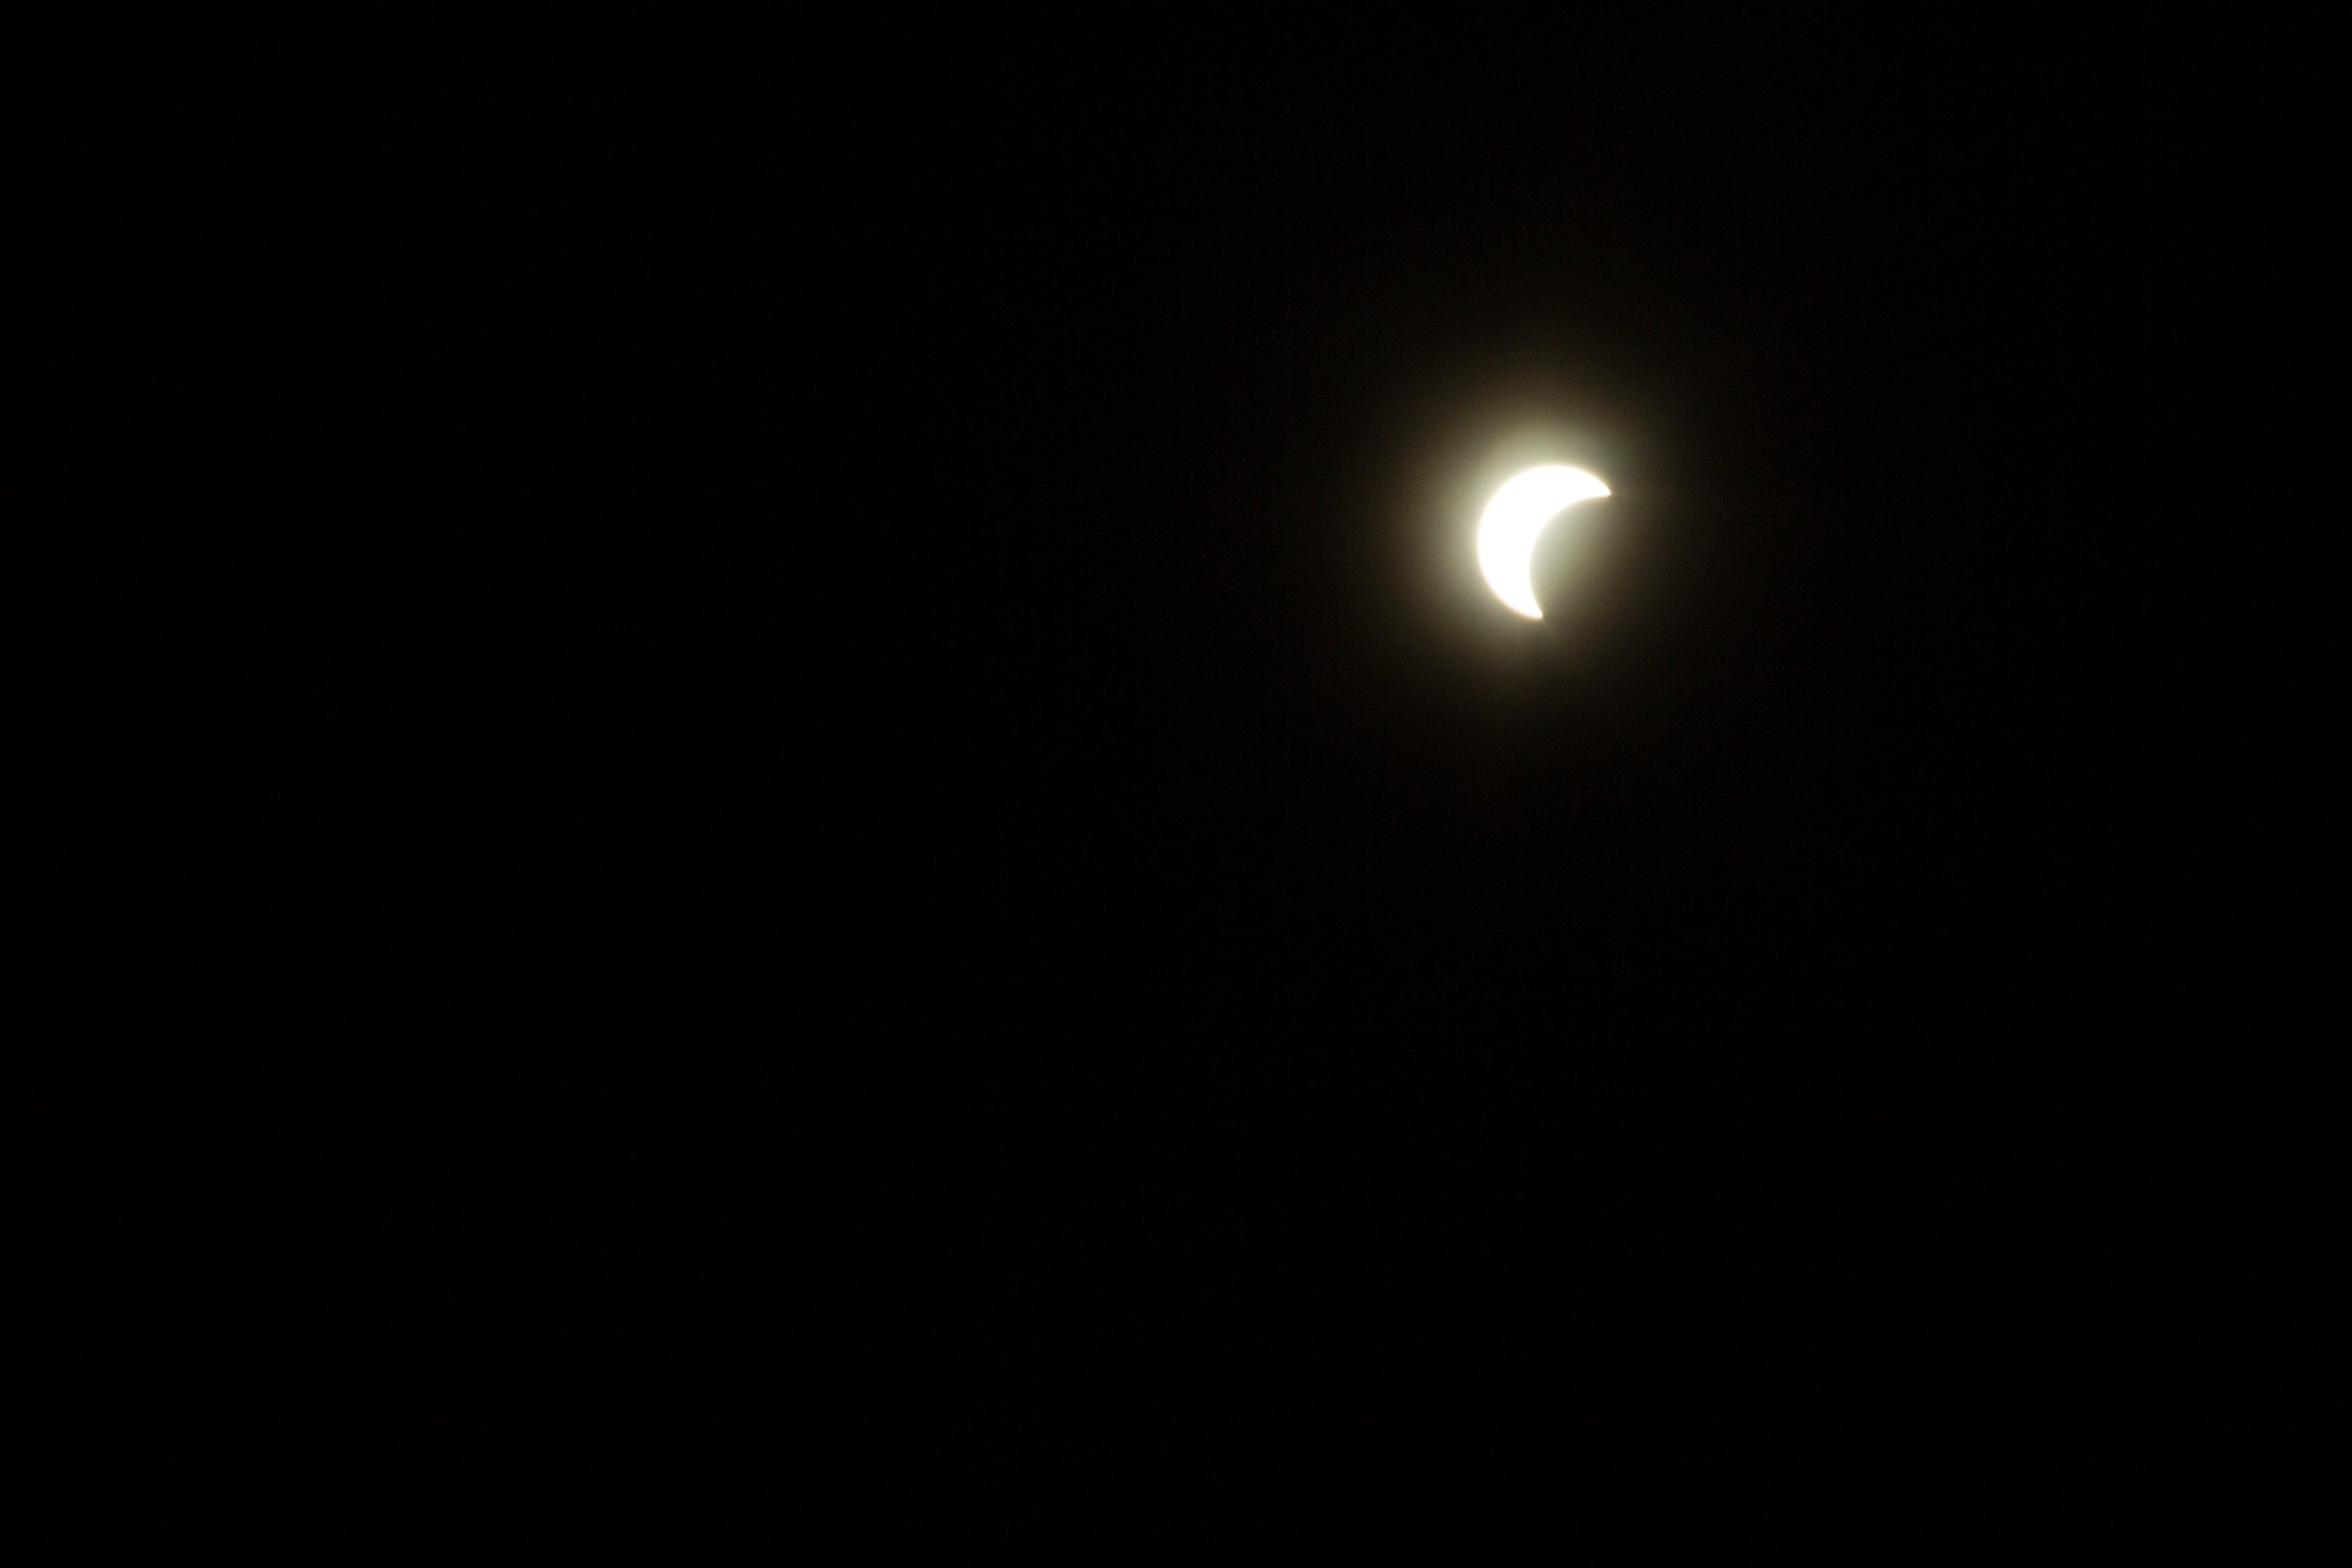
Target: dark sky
{"points": [[973, 697], [1034, 508]]}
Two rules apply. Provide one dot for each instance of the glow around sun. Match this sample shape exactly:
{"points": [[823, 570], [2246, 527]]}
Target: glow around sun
{"points": [[1513, 520]]}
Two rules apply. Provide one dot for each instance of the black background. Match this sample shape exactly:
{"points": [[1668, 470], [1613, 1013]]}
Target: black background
{"points": [[970, 853]]}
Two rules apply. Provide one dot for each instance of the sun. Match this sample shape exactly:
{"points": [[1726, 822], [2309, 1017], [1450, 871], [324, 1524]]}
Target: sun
{"points": [[1513, 520]]}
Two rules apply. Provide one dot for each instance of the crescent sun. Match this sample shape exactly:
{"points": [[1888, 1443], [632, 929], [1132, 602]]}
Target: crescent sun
{"points": [[1513, 520]]}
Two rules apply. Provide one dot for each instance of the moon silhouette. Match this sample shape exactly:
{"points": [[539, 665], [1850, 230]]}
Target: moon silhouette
{"points": [[1518, 514]]}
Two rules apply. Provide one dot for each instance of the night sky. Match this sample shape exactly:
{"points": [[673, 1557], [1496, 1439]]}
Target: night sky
{"points": [[968, 743]]}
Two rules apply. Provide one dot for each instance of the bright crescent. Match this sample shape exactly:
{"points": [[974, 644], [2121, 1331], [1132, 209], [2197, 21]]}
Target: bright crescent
{"points": [[1519, 511]]}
